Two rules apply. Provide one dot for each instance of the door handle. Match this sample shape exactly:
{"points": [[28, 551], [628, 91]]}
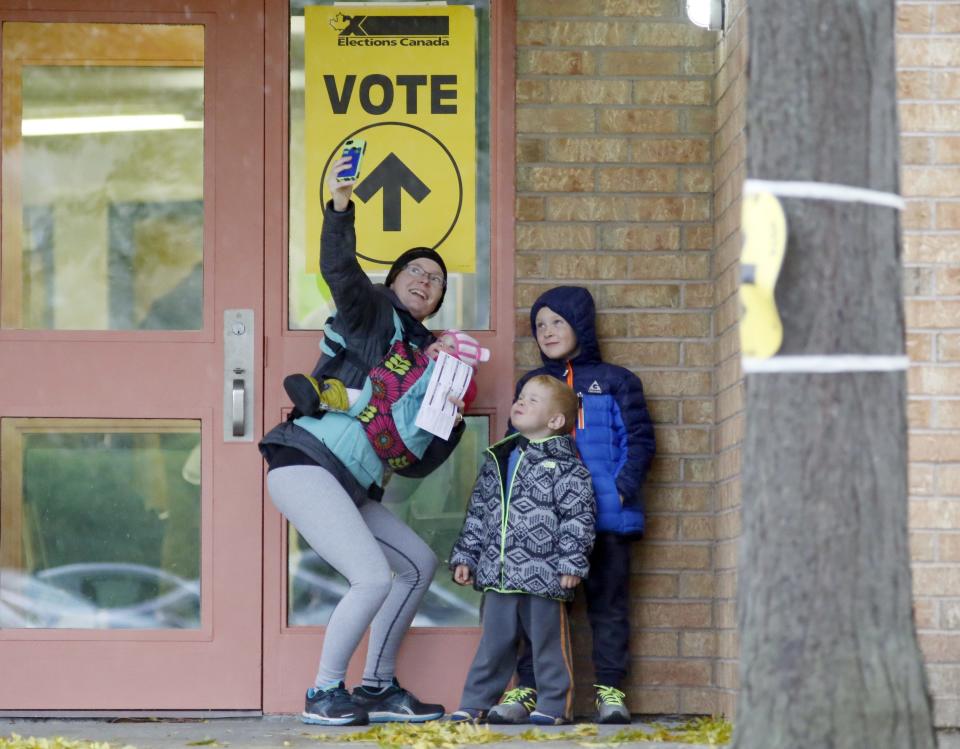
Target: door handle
{"points": [[239, 393], [239, 385]]}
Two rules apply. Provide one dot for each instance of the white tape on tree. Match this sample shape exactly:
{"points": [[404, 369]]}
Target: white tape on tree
{"points": [[826, 363], [824, 191]]}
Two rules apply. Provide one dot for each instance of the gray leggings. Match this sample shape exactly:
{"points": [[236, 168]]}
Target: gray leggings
{"points": [[363, 544]]}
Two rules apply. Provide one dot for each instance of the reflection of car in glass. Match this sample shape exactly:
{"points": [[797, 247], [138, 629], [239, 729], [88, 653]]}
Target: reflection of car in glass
{"points": [[99, 595], [314, 595]]}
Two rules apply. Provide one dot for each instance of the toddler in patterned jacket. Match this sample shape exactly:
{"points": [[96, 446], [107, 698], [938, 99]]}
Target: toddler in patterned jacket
{"points": [[525, 543]]}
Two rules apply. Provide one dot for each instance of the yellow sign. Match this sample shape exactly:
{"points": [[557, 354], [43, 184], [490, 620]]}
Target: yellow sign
{"points": [[764, 228], [403, 78]]}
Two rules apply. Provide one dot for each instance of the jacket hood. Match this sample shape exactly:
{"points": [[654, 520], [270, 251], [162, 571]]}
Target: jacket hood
{"points": [[575, 305]]}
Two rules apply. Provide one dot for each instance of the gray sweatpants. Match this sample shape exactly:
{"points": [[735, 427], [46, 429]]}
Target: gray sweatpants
{"points": [[367, 545], [505, 617]]}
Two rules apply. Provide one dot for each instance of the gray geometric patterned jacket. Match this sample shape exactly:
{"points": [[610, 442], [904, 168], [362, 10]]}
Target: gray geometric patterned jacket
{"points": [[550, 514]]}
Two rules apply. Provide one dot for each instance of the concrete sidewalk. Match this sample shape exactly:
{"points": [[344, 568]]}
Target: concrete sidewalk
{"points": [[270, 732]]}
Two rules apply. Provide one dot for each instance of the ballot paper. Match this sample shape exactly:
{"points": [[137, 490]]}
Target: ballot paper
{"points": [[450, 376]]}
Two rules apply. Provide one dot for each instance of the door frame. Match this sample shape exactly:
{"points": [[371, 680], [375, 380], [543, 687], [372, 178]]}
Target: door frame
{"points": [[433, 660]]}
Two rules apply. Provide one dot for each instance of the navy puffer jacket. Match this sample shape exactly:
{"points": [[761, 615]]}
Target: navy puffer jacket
{"points": [[616, 440]]}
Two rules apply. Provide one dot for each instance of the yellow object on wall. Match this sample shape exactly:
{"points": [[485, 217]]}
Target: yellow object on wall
{"points": [[404, 79]]}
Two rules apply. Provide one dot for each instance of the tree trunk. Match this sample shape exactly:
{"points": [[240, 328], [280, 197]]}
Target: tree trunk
{"points": [[828, 651]]}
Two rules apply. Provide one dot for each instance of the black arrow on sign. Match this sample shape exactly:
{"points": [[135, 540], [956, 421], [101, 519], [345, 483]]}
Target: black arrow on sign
{"points": [[390, 176]]}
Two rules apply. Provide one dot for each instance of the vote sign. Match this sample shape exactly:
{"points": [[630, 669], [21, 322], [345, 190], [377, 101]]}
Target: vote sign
{"points": [[403, 79]]}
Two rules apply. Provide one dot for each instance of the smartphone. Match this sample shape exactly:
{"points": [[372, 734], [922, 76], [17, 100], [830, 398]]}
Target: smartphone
{"points": [[353, 149]]}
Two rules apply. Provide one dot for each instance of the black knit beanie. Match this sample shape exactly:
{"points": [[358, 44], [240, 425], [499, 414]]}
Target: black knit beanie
{"points": [[412, 254]]}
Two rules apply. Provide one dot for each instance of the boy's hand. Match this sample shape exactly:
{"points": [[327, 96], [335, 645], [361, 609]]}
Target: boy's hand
{"points": [[567, 582], [341, 191], [461, 575]]}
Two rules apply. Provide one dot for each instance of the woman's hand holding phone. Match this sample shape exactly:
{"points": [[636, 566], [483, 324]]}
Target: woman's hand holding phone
{"points": [[340, 191]]}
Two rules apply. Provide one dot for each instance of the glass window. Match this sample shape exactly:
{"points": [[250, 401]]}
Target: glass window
{"points": [[434, 507], [467, 303], [103, 176], [100, 523]]}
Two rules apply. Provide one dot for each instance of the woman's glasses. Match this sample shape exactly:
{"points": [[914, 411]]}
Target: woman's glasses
{"points": [[416, 271]]}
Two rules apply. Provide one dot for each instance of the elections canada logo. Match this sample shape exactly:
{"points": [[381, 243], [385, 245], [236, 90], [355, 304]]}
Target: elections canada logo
{"points": [[391, 31]]}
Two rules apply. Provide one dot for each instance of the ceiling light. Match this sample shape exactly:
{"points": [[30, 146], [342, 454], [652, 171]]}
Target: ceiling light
{"points": [[707, 14]]}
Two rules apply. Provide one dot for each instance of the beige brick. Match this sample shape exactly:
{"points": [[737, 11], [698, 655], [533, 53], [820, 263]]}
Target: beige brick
{"points": [[697, 63], [698, 295], [931, 248], [671, 150], [937, 580], [626, 208], [920, 414], [699, 121], [653, 701], [940, 648], [913, 19], [639, 63], [933, 380], [631, 237], [673, 35], [946, 84], [697, 585], [934, 448], [611, 325], [921, 478], [678, 440], [914, 84], [555, 120], [916, 150], [949, 547], [938, 52], [923, 547], [637, 296], [677, 383], [669, 614], [659, 556], [938, 313], [534, 8], [678, 92], [696, 180], [936, 118], [698, 354], [554, 179], [698, 469], [950, 615], [574, 34], [920, 347], [925, 614], [946, 19], [530, 209], [654, 644], [934, 513], [948, 415], [654, 586], [700, 702], [623, 120], [634, 8], [930, 180], [631, 354], [696, 529], [662, 469], [946, 150], [669, 324], [556, 62], [586, 267], [663, 411], [698, 237], [948, 347], [947, 281], [698, 644], [582, 91], [697, 411], [660, 528], [677, 673], [556, 237], [948, 479], [587, 149], [530, 150], [918, 281], [532, 91], [637, 179], [919, 214]]}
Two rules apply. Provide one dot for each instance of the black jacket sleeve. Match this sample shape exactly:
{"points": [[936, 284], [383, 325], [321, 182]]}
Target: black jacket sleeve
{"points": [[436, 453]]}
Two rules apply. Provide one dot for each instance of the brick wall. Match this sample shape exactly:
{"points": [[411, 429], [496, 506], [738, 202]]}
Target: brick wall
{"points": [[730, 92], [928, 60], [615, 125]]}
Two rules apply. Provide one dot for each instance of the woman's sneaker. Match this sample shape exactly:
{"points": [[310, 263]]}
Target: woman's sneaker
{"points": [[610, 705], [467, 715], [333, 707], [515, 707], [395, 704]]}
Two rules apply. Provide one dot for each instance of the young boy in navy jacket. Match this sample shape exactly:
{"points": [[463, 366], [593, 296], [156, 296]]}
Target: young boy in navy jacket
{"points": [[614, 436]]}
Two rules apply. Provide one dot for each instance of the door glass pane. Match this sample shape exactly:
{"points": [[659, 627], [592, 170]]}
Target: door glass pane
{"points": [[102, 177], [100, 523], [434, 507], [467, 302]]}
